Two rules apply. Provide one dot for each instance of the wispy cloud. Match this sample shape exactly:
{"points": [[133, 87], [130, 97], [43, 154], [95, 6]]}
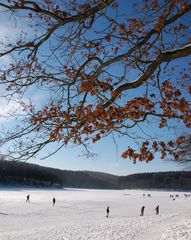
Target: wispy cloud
{"points": [[7, 30], [8, 110]]}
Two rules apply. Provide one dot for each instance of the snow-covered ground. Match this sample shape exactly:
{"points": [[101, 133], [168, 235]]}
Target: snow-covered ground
{"points": [[80, 214]]}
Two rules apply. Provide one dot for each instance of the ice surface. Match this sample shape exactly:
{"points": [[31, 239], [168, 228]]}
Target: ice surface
{"points": [[80, 214]]}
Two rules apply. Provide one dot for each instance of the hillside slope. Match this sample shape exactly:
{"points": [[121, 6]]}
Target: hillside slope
{"points": [[18, 173]]}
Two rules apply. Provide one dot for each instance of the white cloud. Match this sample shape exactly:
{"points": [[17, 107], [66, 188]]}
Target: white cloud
{"points": [[7, 30], [9, 110]]}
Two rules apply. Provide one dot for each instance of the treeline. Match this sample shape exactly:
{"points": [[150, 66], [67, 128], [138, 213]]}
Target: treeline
{"points": [[18, 173], [179, 180]]}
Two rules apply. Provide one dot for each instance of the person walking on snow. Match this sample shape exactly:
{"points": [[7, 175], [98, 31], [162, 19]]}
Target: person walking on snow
{"points": [[157, 210], [142, 211], [107, 212], [28, 198], [53, 201]]}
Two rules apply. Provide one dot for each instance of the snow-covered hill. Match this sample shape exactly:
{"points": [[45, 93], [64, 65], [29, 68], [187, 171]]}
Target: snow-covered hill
{"points": [[80, 214]]}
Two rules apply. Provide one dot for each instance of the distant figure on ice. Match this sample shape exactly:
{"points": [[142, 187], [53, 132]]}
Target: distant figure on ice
{"points": [[53, 201], [107, 212], [28, 198], [157, 210], [142, 211]]}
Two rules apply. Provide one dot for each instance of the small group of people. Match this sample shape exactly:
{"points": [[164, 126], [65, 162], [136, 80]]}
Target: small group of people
{"points": [[28, 200], [187, 195], [148, 195], [174, 196], [143, 209]]}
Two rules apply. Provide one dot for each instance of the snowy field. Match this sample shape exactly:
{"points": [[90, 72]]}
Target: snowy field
{"points": [[81, 214]]}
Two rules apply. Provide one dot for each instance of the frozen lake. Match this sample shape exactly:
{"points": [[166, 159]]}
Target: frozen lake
{"points": [[81, 214]]}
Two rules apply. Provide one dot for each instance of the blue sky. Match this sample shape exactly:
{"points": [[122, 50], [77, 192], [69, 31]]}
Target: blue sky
{"points": [[108, 153], [107, 160]]}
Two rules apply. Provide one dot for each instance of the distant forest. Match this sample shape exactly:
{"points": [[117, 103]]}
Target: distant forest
{"points": [[26, 174]]}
